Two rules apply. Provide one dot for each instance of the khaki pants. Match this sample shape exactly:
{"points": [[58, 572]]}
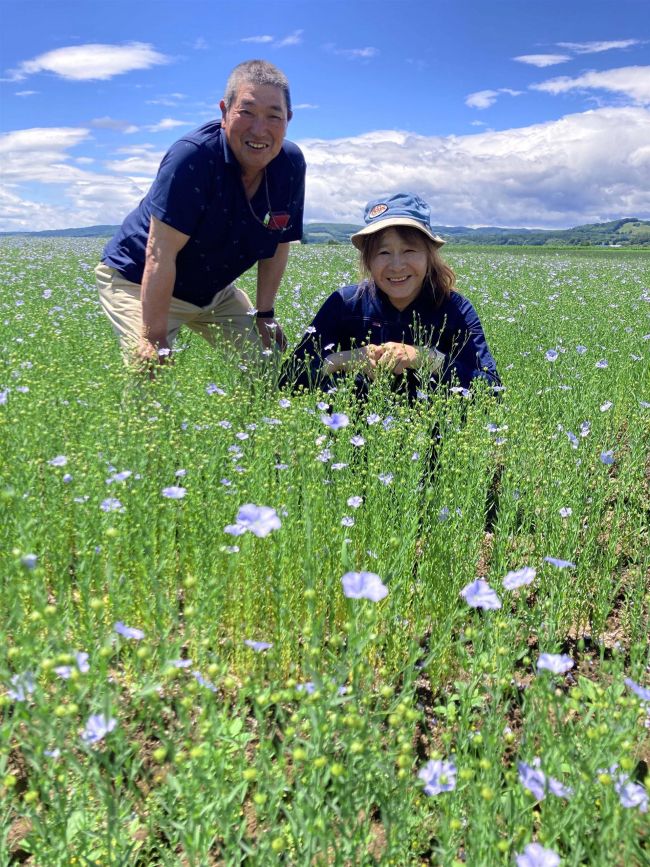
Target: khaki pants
{"points": [[227, 320]]}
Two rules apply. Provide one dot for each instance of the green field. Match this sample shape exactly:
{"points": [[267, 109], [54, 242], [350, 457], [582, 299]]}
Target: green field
{"points": [[414, 730]]}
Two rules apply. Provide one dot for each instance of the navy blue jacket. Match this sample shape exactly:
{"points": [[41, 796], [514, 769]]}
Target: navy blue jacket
{"points": [[355, 315]]}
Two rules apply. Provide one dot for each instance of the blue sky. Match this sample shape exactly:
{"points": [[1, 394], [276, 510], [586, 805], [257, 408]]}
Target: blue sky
{"points": [[509, 112]]}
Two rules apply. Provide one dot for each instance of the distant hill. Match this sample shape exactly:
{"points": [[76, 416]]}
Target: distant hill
{"points": [[628, 231], [84, 232], [625, 232]]}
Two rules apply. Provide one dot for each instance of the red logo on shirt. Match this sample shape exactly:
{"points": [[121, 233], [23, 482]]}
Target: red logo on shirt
{"points": [[278, 220]]}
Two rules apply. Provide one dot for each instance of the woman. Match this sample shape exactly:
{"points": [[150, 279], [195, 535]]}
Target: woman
{"points": [[405, 317]]}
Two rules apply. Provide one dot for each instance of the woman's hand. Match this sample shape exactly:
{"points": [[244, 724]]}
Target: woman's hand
{"points": [[363, 360], [397, 357]]}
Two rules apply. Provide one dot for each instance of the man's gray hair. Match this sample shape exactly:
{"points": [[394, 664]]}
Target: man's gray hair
{"points": [[256, 72]]}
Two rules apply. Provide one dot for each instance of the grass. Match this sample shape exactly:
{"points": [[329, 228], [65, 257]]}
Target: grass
{"points": [[309, 751]]}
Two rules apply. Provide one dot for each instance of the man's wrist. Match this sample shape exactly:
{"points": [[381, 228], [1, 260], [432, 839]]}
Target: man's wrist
{"points": [[265, 314]]}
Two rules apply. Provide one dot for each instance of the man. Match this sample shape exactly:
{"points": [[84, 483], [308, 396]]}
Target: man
{"points": [[226, 196]]}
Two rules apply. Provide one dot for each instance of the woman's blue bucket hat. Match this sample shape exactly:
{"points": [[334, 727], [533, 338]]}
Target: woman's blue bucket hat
{"points": [[400, 209]]}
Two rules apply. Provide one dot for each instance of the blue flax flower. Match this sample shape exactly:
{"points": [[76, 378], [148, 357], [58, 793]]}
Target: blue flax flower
{"points": [[642, 691], [438, 776], [174, 492], [336, 421], [309, 687], [22, 686], [82, 666], [535, 855], [519, 578], [560, 564], [631, 794], [364, 585], [111, 504], [198, 677], [128, 631], [607, 457], [557, 663], [479, 594], [258, 646], [97, 727], [258, 520], [533, 778]]}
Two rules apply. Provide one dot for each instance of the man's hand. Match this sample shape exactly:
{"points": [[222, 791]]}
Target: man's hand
{"points": [[150, 354], [271, 333]]}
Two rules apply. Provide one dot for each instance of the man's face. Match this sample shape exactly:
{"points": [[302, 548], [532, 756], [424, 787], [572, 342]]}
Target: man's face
{"points": [[255, 125]]}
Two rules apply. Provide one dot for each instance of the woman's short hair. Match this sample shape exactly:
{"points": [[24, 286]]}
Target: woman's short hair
{"points": [[440, 276], [256, 72]]}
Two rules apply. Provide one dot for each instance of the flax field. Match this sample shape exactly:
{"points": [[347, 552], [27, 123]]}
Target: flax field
{"points": [[244, 624]]}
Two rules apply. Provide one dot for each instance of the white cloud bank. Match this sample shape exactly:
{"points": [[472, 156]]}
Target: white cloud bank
{"points": [[583, 168], [92, 62], [598, 47], [294, 38], [542, 60], [629, 81], [38, 169], [485, 98]]}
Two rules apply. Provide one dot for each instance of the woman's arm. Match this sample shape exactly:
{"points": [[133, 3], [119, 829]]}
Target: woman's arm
{"points": [[469, 356]]}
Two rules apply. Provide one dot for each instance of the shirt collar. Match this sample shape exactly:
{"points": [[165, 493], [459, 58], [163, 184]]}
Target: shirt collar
{"points": [[229, 157]]}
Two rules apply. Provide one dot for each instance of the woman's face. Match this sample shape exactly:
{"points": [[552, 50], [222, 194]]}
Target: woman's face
{"points": [[399, 267]]}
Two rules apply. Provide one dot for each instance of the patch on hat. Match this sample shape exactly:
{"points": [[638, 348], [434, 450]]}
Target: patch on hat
{"points": [[377, 211]]}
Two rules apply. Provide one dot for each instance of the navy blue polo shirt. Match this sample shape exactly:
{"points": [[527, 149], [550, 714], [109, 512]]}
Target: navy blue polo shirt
{"points": [[198, 191], [353, 316]]}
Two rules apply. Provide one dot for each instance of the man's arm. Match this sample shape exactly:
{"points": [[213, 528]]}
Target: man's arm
{"points": [[163, 246], [269, 276]]}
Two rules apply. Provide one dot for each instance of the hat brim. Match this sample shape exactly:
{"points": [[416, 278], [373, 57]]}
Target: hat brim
{"points": [[359, 238]]}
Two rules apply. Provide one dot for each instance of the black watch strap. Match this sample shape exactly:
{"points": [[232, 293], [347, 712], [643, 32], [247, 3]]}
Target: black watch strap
{"points": [[265, 314]]}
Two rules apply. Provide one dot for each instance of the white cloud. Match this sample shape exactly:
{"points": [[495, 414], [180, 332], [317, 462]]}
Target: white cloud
{"points": [[485, 98], [303, 105], [167, 123], [139, 161], [170, 99], [114, 123], [294, 38], [200, 44], [353, 53], [482, 98], [630, 81], [542, 60], [262, 40], [582, 168], [26, 92], [91, 62], [598, 47]]}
